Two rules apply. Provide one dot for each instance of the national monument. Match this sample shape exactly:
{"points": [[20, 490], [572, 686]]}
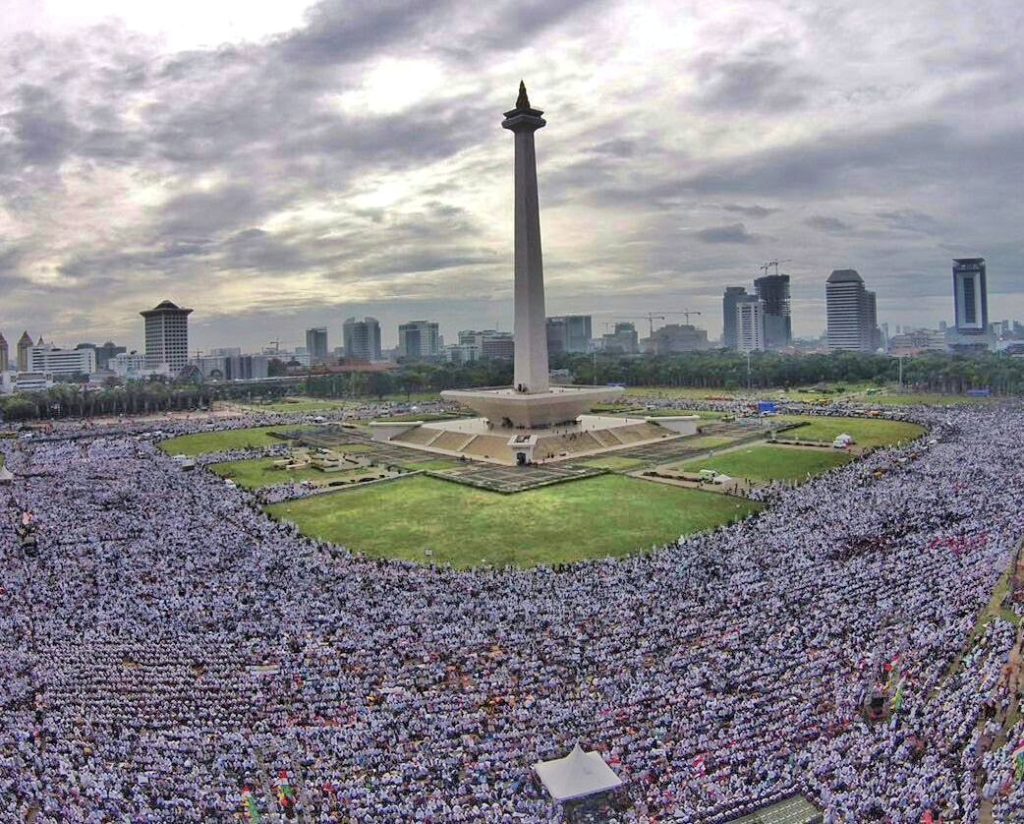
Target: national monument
{"points": [[531, 420]]}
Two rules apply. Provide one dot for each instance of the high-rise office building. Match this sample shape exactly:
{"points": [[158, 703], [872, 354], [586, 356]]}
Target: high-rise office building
{"points": [[852, 317], [872, 334], [569, 333], [316, 344], [167, 335], [750, 324], [419, 339], [24, 344], [732, 294], [5, 354], [773, 290], [970, 296], [362, 339]]}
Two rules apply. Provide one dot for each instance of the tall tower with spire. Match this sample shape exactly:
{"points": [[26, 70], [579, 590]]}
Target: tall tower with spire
{"points": [[24, 344], [531, 356], [531, 403]]}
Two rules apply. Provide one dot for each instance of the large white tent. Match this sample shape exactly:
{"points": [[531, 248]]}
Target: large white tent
{"points": [[6, 476], [577, 775]]}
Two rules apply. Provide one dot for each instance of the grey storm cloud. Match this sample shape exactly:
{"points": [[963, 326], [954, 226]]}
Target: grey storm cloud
{"points": [[752, 82], [732, 233], [827, 224], [250, 174], [753, 210]]}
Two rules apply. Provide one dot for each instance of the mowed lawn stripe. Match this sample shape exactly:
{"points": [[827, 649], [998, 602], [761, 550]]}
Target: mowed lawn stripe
{"points": [[771, 463], [203, 443], [868, 432], [590, 518]]}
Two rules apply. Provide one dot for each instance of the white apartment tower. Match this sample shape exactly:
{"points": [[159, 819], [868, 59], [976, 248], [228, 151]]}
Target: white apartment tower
{"points": [[167, 335], [750, 311], [852, 320]]}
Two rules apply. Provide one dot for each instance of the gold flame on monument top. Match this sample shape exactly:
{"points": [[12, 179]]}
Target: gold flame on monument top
{"points": [[522, 102]]}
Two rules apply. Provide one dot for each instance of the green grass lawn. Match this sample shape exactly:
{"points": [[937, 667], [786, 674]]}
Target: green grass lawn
{"points": [[589, 518], [867, 432], [310, 405], [206, 442], [262, 472], [770, 463]]}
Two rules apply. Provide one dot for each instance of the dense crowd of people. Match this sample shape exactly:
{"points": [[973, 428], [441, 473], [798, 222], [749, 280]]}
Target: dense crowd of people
{"points": [[171, 654]]}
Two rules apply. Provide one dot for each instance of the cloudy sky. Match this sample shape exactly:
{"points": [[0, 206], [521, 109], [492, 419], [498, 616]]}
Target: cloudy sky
{"points": [[283, 165]]}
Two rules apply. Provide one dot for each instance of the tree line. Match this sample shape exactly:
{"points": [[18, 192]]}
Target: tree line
{"points": [[939, 373]]}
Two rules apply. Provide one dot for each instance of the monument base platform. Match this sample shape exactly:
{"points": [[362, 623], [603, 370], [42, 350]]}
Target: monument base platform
{"points": [[508, 408], [478, 439]]}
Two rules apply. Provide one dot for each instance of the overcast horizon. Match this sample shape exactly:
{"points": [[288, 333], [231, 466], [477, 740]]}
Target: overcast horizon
{"points": [[281, 168]]}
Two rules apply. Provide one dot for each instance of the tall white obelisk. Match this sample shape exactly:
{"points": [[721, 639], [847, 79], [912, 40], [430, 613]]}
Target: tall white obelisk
{"points": [[531, 356], [531, 403]]}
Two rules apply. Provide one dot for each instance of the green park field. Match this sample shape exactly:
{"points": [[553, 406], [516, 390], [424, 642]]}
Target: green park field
{"points": [[609, 515], [867, 432], [294, 405], [771, 463], [261, 472], [206, 442]]}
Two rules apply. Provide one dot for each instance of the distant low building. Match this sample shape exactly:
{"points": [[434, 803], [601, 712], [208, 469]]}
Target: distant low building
{"points": [[675, 338], [916, 342], [362, 339], [316, 344], [498, 347], [623, 340], [233, 368], [462, 353], [419, 340], [50, 360], [137, 366], [491, 343], [569, 334]]}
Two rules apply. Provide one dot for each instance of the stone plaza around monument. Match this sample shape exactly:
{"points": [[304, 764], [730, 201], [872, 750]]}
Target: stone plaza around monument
{"points": [[480, 440]]}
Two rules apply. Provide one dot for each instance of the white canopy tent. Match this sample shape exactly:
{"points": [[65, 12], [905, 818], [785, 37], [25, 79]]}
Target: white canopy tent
{"points": [[577, 775], [6, 476]]}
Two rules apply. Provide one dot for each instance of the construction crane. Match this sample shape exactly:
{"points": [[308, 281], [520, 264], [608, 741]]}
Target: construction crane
{"points": [[277, 346], [764, 267], [650, 317]]}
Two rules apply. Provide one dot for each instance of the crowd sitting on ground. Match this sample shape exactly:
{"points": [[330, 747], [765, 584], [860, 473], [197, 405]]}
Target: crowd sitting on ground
{"points": [[171, 648]]}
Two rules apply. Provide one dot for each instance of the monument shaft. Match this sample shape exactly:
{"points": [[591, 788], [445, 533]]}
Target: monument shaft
{"points": [[531, 355], [530, 403]]}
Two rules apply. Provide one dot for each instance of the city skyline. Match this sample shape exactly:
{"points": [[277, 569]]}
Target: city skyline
{"points": [[271, 170]]}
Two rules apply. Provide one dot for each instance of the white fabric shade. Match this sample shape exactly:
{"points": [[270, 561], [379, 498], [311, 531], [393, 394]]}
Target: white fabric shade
{"points": [[577, 775], [6, 476]]}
